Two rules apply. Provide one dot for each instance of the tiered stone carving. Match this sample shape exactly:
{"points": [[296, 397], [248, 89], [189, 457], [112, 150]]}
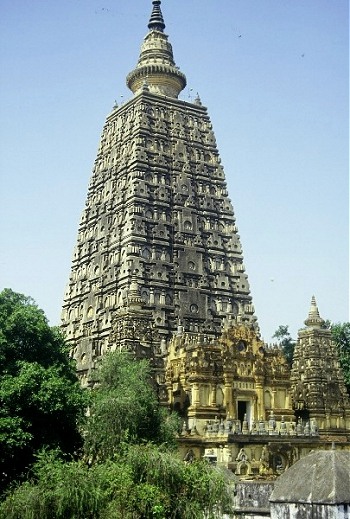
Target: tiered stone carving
{"points": [[318, 388], [157, 208], [231, 384]]}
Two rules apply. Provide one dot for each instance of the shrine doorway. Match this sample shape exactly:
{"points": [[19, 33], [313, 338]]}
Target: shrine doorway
{"points": [[243, 408]]}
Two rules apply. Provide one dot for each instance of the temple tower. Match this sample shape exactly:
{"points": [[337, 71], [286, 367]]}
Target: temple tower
{"points": [[318, 388], [157, 217]]}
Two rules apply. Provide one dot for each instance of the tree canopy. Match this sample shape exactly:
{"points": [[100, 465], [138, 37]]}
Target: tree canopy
{"points": [[145, 482], [41, 401], [125, 404], [286, 342], [128, 468], [341, 336]]}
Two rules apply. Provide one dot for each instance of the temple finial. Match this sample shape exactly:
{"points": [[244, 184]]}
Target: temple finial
{"points": [[314, 320], [156, 21], [156, 63]]}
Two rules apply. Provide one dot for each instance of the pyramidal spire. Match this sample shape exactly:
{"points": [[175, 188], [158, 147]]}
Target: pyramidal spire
{"points": [[314, 320], [157, 241], [156, 63], [156, 22]]}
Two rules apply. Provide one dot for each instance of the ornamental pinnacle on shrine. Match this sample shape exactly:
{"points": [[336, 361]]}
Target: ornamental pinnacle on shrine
{"points": [[158, 217], [156, 67]]}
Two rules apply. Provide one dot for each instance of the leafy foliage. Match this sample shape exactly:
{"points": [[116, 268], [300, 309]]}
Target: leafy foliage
{"points": [[125, 404], [145, 482], [286, 342], [58, 489], [341, 336], [130, 470], [25, 334], [41, 401]]}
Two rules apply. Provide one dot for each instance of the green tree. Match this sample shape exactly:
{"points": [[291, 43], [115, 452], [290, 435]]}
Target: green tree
{"points": [[286, 342], [41, 402], [341, 336], [145, 482], [126, 405], [130, 469]]}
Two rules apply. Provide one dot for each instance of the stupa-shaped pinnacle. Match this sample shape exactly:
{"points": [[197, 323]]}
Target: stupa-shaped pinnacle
{"points": [[314, 320], [156, 63]]}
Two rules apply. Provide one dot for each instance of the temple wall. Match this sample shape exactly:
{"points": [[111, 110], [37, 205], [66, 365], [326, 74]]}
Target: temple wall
{"points": [[309, 511]]}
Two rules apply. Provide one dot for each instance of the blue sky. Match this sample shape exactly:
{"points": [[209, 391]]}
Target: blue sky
{"points": [[274, 76]]}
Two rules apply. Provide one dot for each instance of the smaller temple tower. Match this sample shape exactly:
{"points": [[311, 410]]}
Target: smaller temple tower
{"points": [[317, 383]]}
